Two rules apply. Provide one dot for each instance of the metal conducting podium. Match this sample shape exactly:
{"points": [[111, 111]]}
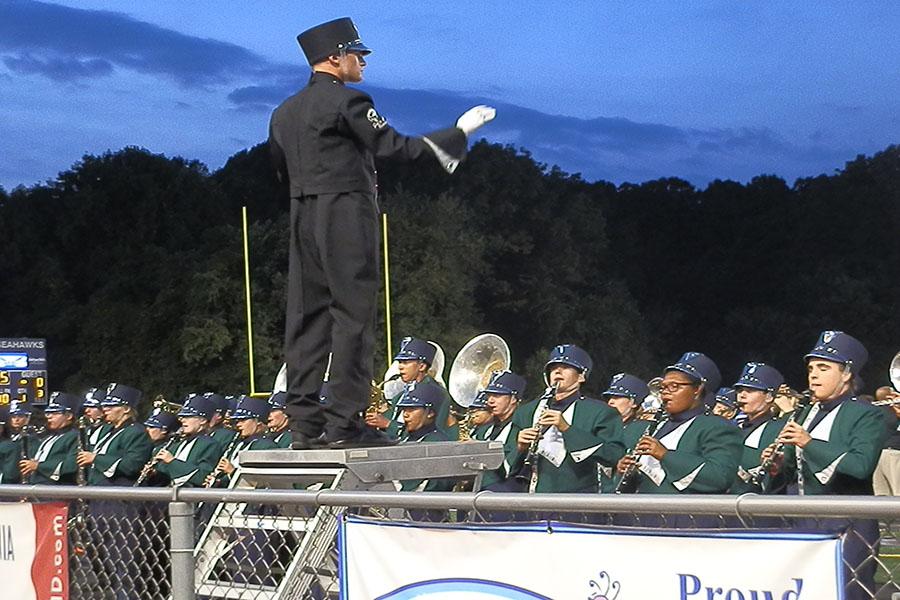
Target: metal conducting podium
{"points": [[266, 552]]}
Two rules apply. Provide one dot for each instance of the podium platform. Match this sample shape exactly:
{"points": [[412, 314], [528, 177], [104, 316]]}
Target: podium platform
{"points": [[284, 552]]}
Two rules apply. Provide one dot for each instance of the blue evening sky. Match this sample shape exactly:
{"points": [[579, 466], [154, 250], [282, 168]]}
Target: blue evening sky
{"points": [[619, 91]]}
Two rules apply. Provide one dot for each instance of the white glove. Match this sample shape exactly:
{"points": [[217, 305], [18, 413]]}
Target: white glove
{"points": [[475, 117]]}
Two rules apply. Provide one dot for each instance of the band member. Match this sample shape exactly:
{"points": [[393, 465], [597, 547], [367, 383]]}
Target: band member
{"points": [[53, 459], [119, 456], [834, 449], [756, 390], [414, 359], [160, 426], [278, 421], [9, 455], [97, 425], [118, 459], [324, 141], [568, 432], [625, 394], [886, 479], [194, 456], [691, 452], [220, 434], [479, 413], [22, 441], [418, 405], [725, 404], [502, 395], [250, 417]]}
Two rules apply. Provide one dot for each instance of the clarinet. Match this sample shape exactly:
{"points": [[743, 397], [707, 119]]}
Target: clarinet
{"points": [[626, 482], [151, 464], [23, 435], [531, 459], [80, 473], [217, 472], [761, 475]]}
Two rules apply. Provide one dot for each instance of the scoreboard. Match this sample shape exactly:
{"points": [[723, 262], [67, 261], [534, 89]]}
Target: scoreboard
{"points": [[23, 370]]}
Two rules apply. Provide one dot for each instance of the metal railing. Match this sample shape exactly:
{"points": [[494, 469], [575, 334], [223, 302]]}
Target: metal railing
{"points": [[160, 543]]}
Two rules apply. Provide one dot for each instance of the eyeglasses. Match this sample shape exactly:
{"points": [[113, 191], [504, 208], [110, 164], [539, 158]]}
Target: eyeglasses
{"points": [[673, 386]]}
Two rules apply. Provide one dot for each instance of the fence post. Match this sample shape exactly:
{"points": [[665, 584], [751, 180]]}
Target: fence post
{"points": [[181, 540]]}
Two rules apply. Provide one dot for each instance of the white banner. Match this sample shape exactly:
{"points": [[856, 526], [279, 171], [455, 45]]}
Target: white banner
{"points": [[399, 561], [34, 551]]}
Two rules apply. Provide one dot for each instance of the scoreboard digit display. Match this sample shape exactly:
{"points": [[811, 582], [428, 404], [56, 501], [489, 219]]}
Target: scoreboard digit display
{"points": [[23, 370]]}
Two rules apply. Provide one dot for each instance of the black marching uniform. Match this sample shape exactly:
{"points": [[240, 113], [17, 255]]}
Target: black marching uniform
{"points": [[324, 141]]}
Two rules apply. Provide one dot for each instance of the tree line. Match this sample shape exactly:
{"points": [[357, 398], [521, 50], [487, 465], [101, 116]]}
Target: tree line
{"points": [[130, 264]]}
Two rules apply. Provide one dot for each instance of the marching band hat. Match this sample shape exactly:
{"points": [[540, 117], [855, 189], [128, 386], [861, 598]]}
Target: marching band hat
{"points": [[118, 394], [415, 349], [63, 402], [700, 368], [760, 376], [506, 382], [18, 408], [197, 406], [480, 402], [727, 396], [627, 386], [251, 408], [839, 347], [231, 404], [428, 395], [219, 403], [160, 419], [333, 37], [278, 400], [572, 355], [93, 397]]}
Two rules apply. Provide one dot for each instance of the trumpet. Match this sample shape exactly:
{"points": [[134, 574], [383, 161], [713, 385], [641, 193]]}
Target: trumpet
{"points": [[626, 482], [378, 403], [164, 405]]}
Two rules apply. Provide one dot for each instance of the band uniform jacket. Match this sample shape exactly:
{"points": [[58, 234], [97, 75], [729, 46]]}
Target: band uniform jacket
{"points": [[195, 458], [95, 434], [844, 451], [221, 437], [120, 455], [702, 458], [55, 455], [325, 139], [256, 442], [632, 431], [756, 439], [425, 435], [11, 452], [282, 439], [594, 436], [499, 432]]}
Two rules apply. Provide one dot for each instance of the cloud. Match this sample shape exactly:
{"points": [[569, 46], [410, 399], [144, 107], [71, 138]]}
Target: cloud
{"points": [[59, 69], [48, 39]]}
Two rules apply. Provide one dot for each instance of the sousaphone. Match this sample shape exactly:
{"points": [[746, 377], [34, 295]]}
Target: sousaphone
{"points": [[472, 367], [895, 372]]}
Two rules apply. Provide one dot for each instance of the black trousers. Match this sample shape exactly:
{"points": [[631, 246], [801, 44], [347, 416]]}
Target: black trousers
{"points": [[331, 304]]}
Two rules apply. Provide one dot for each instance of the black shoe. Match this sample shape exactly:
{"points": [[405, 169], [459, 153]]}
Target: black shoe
{"points": [[365, 438], [301, 441]]}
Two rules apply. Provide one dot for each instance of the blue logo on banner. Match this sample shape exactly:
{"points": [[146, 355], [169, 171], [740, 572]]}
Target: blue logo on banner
{"points": [[423, 590]]}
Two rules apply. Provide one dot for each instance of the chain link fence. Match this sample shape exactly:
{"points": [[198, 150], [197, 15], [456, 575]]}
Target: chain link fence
{"points": [[157, 544]]}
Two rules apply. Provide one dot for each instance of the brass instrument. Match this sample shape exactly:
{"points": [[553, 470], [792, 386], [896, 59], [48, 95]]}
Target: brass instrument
{"points": [[150, 465], [786, 399], [378, 404], [626, 482], [160, 403], [652, 402], [471, 372]]}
